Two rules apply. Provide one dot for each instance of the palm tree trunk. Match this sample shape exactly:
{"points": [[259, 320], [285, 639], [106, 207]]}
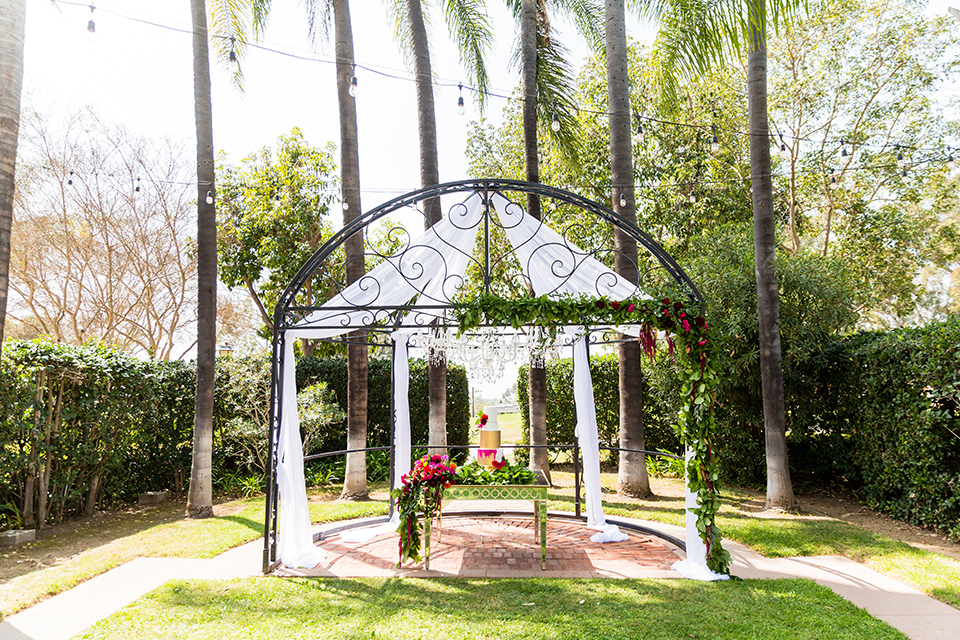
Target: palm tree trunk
{"points": [[200, 499], [536, 376], [355, 482], [632, 479], [779, 486], [429, 176], [13, 18]]}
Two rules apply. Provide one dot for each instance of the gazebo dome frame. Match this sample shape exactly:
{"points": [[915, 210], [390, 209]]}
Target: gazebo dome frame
{"points": [[434, 306]]}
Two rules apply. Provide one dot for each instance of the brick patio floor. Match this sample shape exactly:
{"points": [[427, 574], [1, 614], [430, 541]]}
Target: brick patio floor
{"points": [[502, 547]]}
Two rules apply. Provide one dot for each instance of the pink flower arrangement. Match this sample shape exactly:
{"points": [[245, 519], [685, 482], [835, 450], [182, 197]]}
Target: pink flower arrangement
{"points": [[421, 490]]}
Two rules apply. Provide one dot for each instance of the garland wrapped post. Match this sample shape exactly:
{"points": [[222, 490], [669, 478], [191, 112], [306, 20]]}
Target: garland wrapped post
{"points": [[686, 336], [421, 490]]}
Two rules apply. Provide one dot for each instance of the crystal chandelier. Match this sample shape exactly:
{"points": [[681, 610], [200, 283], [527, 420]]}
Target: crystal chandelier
{"points": [[489, 351]]}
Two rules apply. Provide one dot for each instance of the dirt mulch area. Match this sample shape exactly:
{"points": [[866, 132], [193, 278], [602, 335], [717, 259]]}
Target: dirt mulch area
{"points": [[59, 543]]}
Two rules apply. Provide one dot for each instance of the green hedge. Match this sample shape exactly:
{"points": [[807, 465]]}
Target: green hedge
{"points": [[333, 371], [561, 412], [102, 426]]}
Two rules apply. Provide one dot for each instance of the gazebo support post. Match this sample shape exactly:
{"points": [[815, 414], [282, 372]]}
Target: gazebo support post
{"points": [[270, 502]]}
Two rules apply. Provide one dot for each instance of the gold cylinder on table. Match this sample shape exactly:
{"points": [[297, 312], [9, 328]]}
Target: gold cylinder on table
{"points": [[489, 443]]}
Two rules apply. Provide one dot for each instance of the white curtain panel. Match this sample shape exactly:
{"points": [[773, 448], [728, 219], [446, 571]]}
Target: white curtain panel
{"points": [[695, 566], [432, 265], [295, 546]]}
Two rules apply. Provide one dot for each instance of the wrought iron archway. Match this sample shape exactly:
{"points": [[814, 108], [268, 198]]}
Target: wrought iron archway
{"points": [[655, 266]]}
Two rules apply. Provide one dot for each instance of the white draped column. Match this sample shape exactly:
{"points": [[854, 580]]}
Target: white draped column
{"points": [[695, 566], [589, 439], [295, 546]]}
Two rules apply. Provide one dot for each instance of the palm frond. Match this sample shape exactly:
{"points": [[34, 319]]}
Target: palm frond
{"points": [[556, 94], [319, 18], [470, 29], [228, 28], [587, 15]]}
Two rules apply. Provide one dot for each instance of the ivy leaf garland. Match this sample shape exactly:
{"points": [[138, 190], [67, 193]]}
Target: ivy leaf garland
{"points": [[686, 337]]}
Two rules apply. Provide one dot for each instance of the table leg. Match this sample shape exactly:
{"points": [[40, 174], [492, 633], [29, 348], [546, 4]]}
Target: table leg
{"points": [[543, 533], [426, 543]]}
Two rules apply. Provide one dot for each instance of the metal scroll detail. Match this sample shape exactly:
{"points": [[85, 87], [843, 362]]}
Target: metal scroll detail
{"points": [[433, 272]]}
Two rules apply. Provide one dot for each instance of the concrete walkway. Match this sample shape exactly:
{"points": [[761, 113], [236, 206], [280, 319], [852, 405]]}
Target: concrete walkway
{"points": [[918, 616]]}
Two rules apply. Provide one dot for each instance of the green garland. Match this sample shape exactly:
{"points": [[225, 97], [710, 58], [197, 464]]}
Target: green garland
{"points": [[686, 333]]}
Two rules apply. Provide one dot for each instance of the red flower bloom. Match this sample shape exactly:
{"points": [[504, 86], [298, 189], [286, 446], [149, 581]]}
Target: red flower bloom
{"points": [[631, 308], [499, 465], [615, 305], [666, 301], [677, 305], [601, 304]]}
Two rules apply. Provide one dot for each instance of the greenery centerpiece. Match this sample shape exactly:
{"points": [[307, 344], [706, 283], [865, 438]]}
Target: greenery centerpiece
{"points": [[502, 473]]}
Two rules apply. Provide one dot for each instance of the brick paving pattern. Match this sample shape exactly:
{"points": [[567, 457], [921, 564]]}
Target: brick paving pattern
{"points": [[502, 547]]}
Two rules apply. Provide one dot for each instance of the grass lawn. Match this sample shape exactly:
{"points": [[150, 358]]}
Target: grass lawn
{"points": [[502, 609], [182, 538], [790, 535]]}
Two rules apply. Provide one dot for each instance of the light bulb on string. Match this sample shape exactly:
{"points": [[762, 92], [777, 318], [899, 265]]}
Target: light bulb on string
{"points": [[346, 205], [904, 172], [555, 124], [209, 197], [353, 87], [460, 108], [137, 188], [693, 196], [714, 141], [783, 145], [91, 26], [640, 136], [833, 179], [233, 51], [843, 148], [70, 178], [900, 161], [623, 200]]}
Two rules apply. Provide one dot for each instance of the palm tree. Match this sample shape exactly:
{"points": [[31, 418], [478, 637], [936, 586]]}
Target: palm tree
{"points": [[547, 90], [200, 499], [692, 37], [230, 18], [355, 482], [13, 18], [471, 29], [632, 478]]}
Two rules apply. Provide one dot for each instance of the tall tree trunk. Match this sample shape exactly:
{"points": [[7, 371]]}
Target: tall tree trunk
{"points": [[779, 486], [632, 479], [536, 376], [355, 482], [13, 18], [200, 498], [429, 176]]}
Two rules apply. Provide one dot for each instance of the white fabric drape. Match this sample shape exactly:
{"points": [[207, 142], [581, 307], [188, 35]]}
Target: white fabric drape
{"points": [[432, 265], [553, 263], [695, 566], [294, 541], [402, 449]]}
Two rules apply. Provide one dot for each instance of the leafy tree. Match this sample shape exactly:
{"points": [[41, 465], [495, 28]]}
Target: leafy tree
{"points": [[851, 91], [273, 213], [11, 82], [104, 248]]}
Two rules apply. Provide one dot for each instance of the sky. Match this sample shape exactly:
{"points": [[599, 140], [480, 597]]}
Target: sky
{"points": [[136, 70]]}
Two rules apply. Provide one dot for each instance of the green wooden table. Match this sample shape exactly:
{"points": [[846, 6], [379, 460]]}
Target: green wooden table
{"points": [[535, 492]]}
